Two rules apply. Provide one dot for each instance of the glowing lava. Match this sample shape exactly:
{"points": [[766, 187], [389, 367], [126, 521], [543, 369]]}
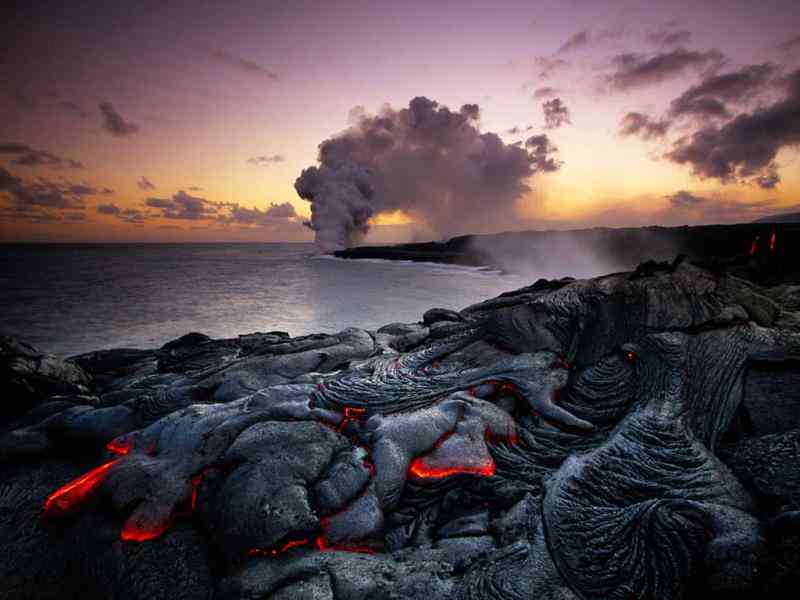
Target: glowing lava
{"points": [[772, 240], [133, 533], [120, 447], [69, 497], [351, 415], [420, 470], [754, 246]]}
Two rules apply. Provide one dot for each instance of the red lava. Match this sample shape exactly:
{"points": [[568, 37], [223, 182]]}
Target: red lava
{"points": [[120, 447], [134, 533], [70, 496]]}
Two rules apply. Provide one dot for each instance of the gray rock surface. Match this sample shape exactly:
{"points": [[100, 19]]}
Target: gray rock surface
{"points": [[628, 436]]}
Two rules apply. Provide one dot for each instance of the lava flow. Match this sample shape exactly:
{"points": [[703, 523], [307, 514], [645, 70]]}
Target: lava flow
{"points": [[120, 447], [133, 533], [70, 496], [420, 470], [351, 415]]}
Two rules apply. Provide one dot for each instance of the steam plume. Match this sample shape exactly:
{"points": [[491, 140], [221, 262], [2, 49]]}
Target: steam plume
{"points": [[426, 160]]}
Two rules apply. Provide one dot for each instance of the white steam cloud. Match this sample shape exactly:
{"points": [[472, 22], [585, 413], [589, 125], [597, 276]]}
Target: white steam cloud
{"points": [[426, 160]]}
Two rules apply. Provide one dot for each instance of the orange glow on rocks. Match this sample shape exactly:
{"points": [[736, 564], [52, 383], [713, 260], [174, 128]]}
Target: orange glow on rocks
{"points": [[70, 496], [131, 532]]}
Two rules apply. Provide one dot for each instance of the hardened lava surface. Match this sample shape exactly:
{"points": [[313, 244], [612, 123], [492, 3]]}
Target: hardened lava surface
{"points": [[631, 436]]}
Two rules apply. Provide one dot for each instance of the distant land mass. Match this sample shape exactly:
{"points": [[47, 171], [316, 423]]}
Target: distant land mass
{"points": [[791, 217], [765, 248]]}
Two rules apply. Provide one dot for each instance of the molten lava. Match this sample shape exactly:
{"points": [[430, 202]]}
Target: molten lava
{"points": [[324, 546], [351, 415], [70, 496], [754, 246], [420, 470], [195, 481], [772, 241], [131, 532], [120, 447]]}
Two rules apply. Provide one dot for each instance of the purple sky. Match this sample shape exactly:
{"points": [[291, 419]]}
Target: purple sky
{"points": [[191, 120]]}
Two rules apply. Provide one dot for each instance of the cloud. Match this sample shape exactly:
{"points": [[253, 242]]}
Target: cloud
{"points": [[107, 209], [636, 123], [547, 65], [42, 201], [768, 180], [275, 214], [684, 199], [556, 114], [194, 188], [667, 35], [425, 160], [707, 98], [26, 156], [143, 183], [747, 145], [184, 206], [640, 70], [541, 151], [544, 92], [73, 108], [577, 40], [243, 64], [792, 43], [114, 123], [266, 160]]}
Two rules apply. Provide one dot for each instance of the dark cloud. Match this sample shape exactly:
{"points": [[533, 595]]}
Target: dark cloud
{"points": [[542, 151], [143, 183], [243, 64], [579, 39], [107, 209], [792, 43], [746, 146], [184, 206], [471, 111], [639, 70], [425, 160], [636, 123], [684, 199], [28, 157], [74, 109], [114, 123], [707, 98], [275, 214], [43, 201], [768, 180], [556, 114], [667, 35], [547, 65], [544, 92], [266, 160], [128, 215]]}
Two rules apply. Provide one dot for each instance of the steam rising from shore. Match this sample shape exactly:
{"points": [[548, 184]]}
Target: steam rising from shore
{"points": [[425, 160]]}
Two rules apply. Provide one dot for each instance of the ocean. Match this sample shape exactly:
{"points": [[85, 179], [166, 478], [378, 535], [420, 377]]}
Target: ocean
{"points": [[73, 298]]}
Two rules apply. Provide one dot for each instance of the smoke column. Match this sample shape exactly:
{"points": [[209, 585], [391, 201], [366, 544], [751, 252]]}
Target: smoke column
{"points": [[426, 160]]}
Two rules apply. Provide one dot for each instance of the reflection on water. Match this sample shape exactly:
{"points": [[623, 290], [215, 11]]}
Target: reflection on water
{"points": [[75, 298]]}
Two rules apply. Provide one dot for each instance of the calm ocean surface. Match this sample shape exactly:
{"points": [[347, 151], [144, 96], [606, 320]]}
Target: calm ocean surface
{"points": [[73, 298]]}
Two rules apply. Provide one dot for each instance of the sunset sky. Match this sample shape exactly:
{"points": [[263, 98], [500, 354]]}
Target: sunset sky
{"points": [[191, 120]]}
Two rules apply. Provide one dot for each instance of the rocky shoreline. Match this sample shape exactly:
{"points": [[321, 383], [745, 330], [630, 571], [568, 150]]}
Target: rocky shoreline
{"points": [[624, 247], [629, 436]]}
